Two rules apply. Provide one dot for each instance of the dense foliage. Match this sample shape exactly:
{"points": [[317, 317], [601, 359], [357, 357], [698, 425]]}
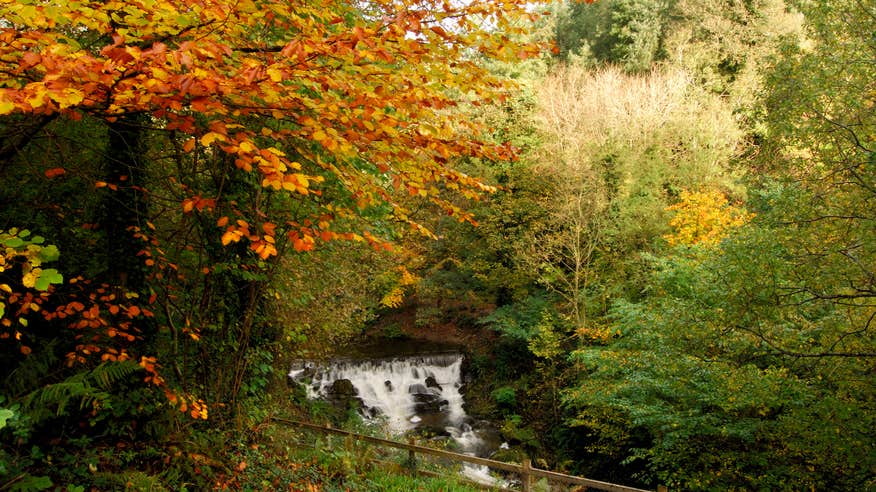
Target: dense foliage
{"points": [[690, 268], [172, 170], [670, 282], [706, 260]]}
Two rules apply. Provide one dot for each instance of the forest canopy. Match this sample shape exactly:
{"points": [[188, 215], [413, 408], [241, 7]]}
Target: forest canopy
{"points": [[654, 218]]}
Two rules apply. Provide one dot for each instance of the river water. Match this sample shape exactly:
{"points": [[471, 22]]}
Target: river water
{"points": [[403, 393]]}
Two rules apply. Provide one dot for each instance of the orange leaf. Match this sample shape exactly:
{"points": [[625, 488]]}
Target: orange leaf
{"points": [[228, 237], [55, 172]]}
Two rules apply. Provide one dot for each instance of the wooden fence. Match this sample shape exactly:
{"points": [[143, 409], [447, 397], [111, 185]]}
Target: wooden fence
{"points": [[526, 471]]}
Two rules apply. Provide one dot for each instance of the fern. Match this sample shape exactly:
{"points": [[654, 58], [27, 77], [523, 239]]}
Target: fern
{"points": [[86, 389], [108, 373]]}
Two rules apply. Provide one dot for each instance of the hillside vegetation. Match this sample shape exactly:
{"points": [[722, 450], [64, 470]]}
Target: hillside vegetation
{"points": [[653, 221]]}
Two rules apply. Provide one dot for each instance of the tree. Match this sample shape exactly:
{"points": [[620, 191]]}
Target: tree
{"points": [[720, 44], [746, 362], [617, 151], [628, 33], [725, 45], [296, 95], [202, 142], [703, 218]]}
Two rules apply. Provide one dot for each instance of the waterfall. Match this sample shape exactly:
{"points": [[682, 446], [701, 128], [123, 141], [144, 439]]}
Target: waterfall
{"points": [[403, 391], [411, 392]]}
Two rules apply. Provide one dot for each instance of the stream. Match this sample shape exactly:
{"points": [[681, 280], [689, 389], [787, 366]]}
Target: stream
{"points": [[409, 392]]}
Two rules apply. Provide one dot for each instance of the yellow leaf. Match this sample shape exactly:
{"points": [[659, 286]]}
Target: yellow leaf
{"points": [[211, 137], [6, 106], [67, 97], [38, 99], [427, 129], [275, 74], [393, 298], [29, 279]]}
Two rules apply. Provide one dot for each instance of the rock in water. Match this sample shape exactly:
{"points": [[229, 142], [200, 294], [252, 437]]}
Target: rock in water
{"points": [[342, 393], [432, 383]]}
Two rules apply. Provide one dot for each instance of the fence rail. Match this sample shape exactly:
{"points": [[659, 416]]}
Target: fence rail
{"points": [[526, 471]]}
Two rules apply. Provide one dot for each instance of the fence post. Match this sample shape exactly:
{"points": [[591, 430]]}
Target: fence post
{"points": [[411, 463], [662, 488], [524, 475]]}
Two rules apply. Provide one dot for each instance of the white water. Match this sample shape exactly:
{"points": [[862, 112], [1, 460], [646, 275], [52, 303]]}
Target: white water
{"points": [[394, 391], [387, 386]]}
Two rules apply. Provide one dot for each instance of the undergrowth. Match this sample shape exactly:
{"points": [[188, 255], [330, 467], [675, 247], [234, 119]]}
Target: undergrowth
{"points": [[253, 454]]}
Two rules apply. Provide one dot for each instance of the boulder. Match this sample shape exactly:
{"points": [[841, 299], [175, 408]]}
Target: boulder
{"points": [[432, 383], [342, 394], [426, 400]]}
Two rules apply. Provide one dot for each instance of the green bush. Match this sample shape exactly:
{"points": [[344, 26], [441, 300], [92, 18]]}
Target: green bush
{"points": [[505, 397]]}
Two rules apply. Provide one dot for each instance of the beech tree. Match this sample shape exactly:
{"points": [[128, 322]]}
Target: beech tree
{"points": [[170, 153], [203, 139]]}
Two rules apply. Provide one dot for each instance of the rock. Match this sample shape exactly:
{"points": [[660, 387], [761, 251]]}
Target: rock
{"points": [[302, 371], [342, 387], [426, 400], [432, 383], [370, 412], [343, 395], [433, 406], [419, 389]]}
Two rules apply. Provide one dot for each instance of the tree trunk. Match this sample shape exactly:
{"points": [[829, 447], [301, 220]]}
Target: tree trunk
{"points": [[124, 204]]}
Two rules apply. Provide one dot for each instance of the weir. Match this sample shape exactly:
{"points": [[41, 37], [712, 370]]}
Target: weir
{"points": [[416, 392]]}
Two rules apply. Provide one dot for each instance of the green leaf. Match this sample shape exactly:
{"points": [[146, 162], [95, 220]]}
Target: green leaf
{"points": [[14, 242], [5, 414], [48, 276], [184, 20], [49, 253]]}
